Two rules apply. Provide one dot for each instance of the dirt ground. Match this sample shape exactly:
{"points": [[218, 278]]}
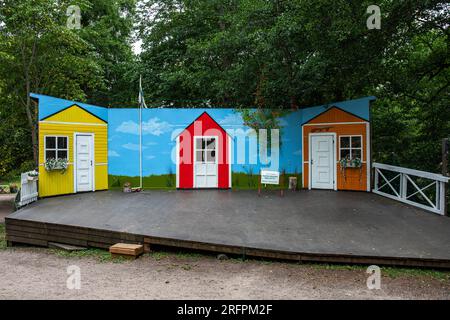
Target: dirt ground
{"points": [[30, 273], [6, 205]]}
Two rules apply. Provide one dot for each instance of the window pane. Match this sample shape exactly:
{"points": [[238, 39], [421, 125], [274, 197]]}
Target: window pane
{"points": [[50, 142], [62, 154], [345, 142], [199, 156], [62, 142], [198, 144], [356, 142], [345, 154], [211, 156], [211, 144], [50, 154], [356, 153]]}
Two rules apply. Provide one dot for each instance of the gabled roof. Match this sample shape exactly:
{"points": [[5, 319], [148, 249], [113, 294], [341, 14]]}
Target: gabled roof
{"points": [[201, 115], [48, 105], [74, 105], [336, 108]]}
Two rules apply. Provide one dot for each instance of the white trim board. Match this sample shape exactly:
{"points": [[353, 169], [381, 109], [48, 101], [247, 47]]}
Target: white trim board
{"points": [[76, 123], [328, 123]]}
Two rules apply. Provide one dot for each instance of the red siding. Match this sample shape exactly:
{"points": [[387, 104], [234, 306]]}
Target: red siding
{"points": [[203, 126]]}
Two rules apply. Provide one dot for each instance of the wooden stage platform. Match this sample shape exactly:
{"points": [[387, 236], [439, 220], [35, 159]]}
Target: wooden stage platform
{"points": [[319, 226]]}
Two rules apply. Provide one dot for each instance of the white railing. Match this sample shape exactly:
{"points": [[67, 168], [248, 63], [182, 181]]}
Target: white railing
{"points": [[411, 186], [28, 189]]}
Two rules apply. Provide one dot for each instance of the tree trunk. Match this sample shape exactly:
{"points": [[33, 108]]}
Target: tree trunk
{"points": [[31, 122]]}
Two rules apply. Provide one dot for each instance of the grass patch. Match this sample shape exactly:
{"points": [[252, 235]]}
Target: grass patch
{"points": [[99, 254], [391, 272], [2, 237], [160, 255]]}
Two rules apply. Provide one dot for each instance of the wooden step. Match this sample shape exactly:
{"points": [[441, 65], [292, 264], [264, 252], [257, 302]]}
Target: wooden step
{"points": [[126, 249]]}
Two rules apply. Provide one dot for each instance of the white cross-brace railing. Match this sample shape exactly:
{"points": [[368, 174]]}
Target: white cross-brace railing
{"points": [[401, 193], [28, 189]]}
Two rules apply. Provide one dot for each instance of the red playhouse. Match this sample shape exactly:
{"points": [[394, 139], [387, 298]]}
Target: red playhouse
{"points": [[203, 155]]}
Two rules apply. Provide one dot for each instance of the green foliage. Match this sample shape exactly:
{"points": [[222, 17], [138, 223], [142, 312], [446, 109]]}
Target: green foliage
{"points": [[273, 55], [285, 54], [38, 53]]}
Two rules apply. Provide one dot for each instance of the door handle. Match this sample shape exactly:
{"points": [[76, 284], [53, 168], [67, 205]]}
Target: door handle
{"points": [[312, 161], [91, 163]]}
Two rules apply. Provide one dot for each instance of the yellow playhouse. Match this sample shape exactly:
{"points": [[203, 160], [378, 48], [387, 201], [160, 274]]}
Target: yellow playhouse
{"points": [[77, 141]]}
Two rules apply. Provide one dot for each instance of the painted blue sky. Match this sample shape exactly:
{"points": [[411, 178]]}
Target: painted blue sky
{"points": [[160, 126]]}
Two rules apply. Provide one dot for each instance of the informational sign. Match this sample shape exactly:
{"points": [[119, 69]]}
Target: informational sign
{"points": [[270, 177]]}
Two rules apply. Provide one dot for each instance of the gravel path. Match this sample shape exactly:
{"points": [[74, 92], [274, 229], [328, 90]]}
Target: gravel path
{"points": [[38, 274]]}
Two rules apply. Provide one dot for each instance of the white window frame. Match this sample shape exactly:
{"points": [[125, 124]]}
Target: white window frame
{"points": [[350, 148], [56, 149], [216, 138]]}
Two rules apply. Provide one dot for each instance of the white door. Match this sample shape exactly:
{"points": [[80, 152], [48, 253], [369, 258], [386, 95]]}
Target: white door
{"points": [[205, 166], [84, 163], [322, 162]]}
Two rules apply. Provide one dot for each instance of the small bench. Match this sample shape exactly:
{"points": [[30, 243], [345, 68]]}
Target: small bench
{"points": [[126, 250]]}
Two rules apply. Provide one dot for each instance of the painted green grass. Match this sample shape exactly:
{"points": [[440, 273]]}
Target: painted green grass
{"points": [[240, 180], [244, 181], [166, 181]]}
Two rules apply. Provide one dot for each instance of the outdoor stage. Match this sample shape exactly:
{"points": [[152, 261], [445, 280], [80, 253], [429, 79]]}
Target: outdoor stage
{"points": [[323, 226]]}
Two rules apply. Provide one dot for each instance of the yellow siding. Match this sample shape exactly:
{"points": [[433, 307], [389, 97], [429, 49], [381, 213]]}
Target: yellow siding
{"points": [[101, 177], [55, 183], [75, 114]]}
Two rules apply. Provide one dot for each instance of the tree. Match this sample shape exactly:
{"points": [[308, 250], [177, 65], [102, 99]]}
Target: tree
{"points": [[38, 53]]}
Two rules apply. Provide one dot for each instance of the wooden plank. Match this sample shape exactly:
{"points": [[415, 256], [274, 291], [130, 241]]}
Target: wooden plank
{"points": [[127, 249], [39, 234], [35, 242], [48, 238], [192, 245], [109, 237], [75, 229]]}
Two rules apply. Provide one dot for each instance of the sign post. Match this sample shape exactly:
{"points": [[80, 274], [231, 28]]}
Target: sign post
{"points": [[271, 178]]}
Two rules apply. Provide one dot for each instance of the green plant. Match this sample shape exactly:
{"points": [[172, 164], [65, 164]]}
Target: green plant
{"points": [[52, 164], [13, 188]]}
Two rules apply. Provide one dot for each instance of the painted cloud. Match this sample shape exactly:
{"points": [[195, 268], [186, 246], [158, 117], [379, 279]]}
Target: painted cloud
{"points": [[133, 146], [154, 126], [112, 153], [231, 119]]}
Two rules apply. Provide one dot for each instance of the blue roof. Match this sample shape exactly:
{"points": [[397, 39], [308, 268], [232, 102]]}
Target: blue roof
{"points": [[50, 105], [358, 107]]}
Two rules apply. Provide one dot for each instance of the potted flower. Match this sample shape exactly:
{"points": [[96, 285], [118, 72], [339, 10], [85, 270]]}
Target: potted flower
{"points": [[52, 164], [348, 162], [13, 188], [33, 175]]}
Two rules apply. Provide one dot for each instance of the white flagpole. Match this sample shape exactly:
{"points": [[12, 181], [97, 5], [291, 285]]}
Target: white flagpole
{"points": [[140, 132]]}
